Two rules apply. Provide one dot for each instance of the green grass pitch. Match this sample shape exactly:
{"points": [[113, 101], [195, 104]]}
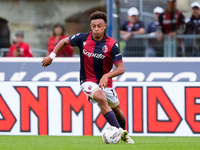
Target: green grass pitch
{"points": [[96, 143]]}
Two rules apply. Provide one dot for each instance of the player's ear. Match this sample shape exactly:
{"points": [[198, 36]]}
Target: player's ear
{"points": [[105, 26]]}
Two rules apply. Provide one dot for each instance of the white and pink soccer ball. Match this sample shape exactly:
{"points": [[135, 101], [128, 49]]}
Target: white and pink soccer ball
{"points": [[111, 135]]}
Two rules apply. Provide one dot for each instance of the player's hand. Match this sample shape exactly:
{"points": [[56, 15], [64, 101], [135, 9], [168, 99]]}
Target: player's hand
{"points": [[127, 36], [103, 82], [46, 61]]}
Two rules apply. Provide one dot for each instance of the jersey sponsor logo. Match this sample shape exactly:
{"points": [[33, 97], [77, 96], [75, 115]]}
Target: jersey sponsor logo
{"points": [[95, 55], [105, 48], [118, 54]]}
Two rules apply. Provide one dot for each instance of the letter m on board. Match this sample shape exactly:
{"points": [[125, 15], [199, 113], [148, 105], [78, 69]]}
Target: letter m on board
{"points": [[76, 103]]}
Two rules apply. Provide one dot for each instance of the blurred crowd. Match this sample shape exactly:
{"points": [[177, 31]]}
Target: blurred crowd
{"points": [[167, 21], [21, 49]]}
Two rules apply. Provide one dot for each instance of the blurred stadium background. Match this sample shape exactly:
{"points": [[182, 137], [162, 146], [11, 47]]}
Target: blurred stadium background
{"points": [[37, 18]]}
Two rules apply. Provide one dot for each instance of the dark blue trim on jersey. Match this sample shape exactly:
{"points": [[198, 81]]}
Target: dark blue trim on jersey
{"points": [[77, 40]]}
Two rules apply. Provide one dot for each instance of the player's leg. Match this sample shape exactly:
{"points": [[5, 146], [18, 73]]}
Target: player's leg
{"points": [[121, 119], [120, 116], [113, 102], [109, 115], [95, 93]]}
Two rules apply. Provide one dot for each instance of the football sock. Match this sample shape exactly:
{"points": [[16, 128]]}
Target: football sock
{"points": [[122, 123], [112, 120]]}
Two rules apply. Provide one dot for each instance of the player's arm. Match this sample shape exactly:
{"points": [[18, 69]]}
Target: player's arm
{"points": [[120, 69], [48, 60]]}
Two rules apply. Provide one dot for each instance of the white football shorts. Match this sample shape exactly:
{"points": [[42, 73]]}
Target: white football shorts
{"points": [[89, 88]]}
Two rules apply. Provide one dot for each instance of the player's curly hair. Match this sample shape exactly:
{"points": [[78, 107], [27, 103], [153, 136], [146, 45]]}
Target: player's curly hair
{"points": [[98, 15]]}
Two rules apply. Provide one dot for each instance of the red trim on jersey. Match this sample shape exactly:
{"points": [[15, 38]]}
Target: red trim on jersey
{"points": [[68, 41], [118, 61], [107, 61], [89, 70]]}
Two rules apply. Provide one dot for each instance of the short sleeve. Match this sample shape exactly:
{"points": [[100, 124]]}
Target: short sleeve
{"points": [[116, 54], [148, 30], [74, 40], [123, 26], [141, 24]]}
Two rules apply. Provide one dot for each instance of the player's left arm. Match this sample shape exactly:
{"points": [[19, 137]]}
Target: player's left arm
{"points": [[120, 69]]}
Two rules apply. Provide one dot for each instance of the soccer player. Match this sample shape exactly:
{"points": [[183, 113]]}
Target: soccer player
{"points": [[98, 52]]}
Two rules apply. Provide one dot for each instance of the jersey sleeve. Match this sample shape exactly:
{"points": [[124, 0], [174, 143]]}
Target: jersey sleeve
{"points": [[74, 40], [123, 26], [148, 29], [116, 54], [141, 24]]}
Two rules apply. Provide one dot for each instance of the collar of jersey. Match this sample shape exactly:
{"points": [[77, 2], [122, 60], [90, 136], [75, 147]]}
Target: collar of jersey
{"points": [[105, 36]]}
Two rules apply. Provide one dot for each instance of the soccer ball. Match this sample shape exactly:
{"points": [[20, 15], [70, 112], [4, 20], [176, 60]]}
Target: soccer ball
{"points": [[111, 135]]}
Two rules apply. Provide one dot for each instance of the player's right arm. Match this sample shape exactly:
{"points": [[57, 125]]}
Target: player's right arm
{"points": [[48, 60]]}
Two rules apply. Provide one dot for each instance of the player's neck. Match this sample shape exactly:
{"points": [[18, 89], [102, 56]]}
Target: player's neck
{"points": [[98, 38]]}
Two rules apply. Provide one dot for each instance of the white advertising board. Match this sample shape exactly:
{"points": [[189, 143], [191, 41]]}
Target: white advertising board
{"points": [[60, 108]]}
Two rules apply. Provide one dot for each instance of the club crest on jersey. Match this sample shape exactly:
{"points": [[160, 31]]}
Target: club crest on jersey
{"points": [[105, 48], [89, 87]]}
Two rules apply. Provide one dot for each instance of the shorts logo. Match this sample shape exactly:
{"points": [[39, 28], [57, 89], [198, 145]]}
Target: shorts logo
{"points": [[105, 48], [89, 87]]}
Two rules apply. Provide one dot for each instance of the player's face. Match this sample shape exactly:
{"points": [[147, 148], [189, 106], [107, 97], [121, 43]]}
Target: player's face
{"points": [[19, 39], [98, 27], [196, 12]]}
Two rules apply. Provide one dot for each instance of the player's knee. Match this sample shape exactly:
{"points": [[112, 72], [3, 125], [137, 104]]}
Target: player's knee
{"points": [[99, 96], [102, 101]]}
